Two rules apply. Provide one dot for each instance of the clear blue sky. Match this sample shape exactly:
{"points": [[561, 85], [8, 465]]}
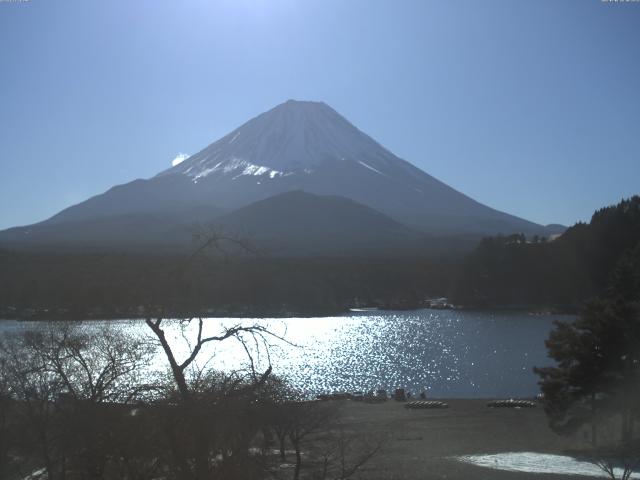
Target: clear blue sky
{"points": [[530, 107]]}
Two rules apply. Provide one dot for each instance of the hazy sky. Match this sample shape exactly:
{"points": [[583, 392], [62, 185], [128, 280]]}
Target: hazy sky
{"points": [[529, 107]]}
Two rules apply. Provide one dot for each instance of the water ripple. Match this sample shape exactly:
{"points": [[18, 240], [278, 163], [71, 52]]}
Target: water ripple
{"points": [[445, 353]]}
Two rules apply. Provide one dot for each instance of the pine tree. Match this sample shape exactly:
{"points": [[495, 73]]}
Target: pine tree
{"points": [[598, 359]]}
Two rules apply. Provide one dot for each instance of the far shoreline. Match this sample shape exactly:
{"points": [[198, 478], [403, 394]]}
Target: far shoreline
{"points": [[46, 315]]}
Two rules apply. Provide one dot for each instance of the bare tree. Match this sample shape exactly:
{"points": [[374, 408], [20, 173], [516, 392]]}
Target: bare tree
{"points": [[179, 368], [204, 405], [214, 416], [344, 453], [6, 410], [323, 447], [66, 381], [619, 461], [306, 419], [280, 398]]}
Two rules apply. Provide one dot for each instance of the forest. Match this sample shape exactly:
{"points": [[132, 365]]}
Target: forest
{"points": [[111, 285], [511, 271]]}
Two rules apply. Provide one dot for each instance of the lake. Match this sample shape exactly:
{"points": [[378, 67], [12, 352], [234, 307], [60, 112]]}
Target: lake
{"points": [[447, 353]]}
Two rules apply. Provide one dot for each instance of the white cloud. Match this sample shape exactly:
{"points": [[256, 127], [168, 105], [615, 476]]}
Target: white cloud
{"points": [[181, 157]]}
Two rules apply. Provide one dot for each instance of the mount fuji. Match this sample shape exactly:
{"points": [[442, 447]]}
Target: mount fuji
{"points": [[298, 146]]}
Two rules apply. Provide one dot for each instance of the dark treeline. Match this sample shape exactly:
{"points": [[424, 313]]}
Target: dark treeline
{"points": [[101, 285], [518, 272]]}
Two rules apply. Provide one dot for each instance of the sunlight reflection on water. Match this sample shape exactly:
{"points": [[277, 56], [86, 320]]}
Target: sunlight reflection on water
{"points": [[446, 353]]}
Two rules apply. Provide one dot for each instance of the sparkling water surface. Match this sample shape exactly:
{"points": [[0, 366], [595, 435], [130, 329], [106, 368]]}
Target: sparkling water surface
{"points": [[447, 353]]}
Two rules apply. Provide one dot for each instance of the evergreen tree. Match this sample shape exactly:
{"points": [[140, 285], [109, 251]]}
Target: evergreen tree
{"points": [[598, 358]]}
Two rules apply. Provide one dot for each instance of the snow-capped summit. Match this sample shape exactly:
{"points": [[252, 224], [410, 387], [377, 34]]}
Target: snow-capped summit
{"points": [[294, 138]]}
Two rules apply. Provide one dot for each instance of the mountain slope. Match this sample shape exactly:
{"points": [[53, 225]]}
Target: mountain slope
{"points": [[295, 146], [132, 231], [292, 223], [300, 223]]}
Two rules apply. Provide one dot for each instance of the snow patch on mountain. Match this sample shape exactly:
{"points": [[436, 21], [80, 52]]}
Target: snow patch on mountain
{"points": [[237, 167], [234, 137], [370, 167]]}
